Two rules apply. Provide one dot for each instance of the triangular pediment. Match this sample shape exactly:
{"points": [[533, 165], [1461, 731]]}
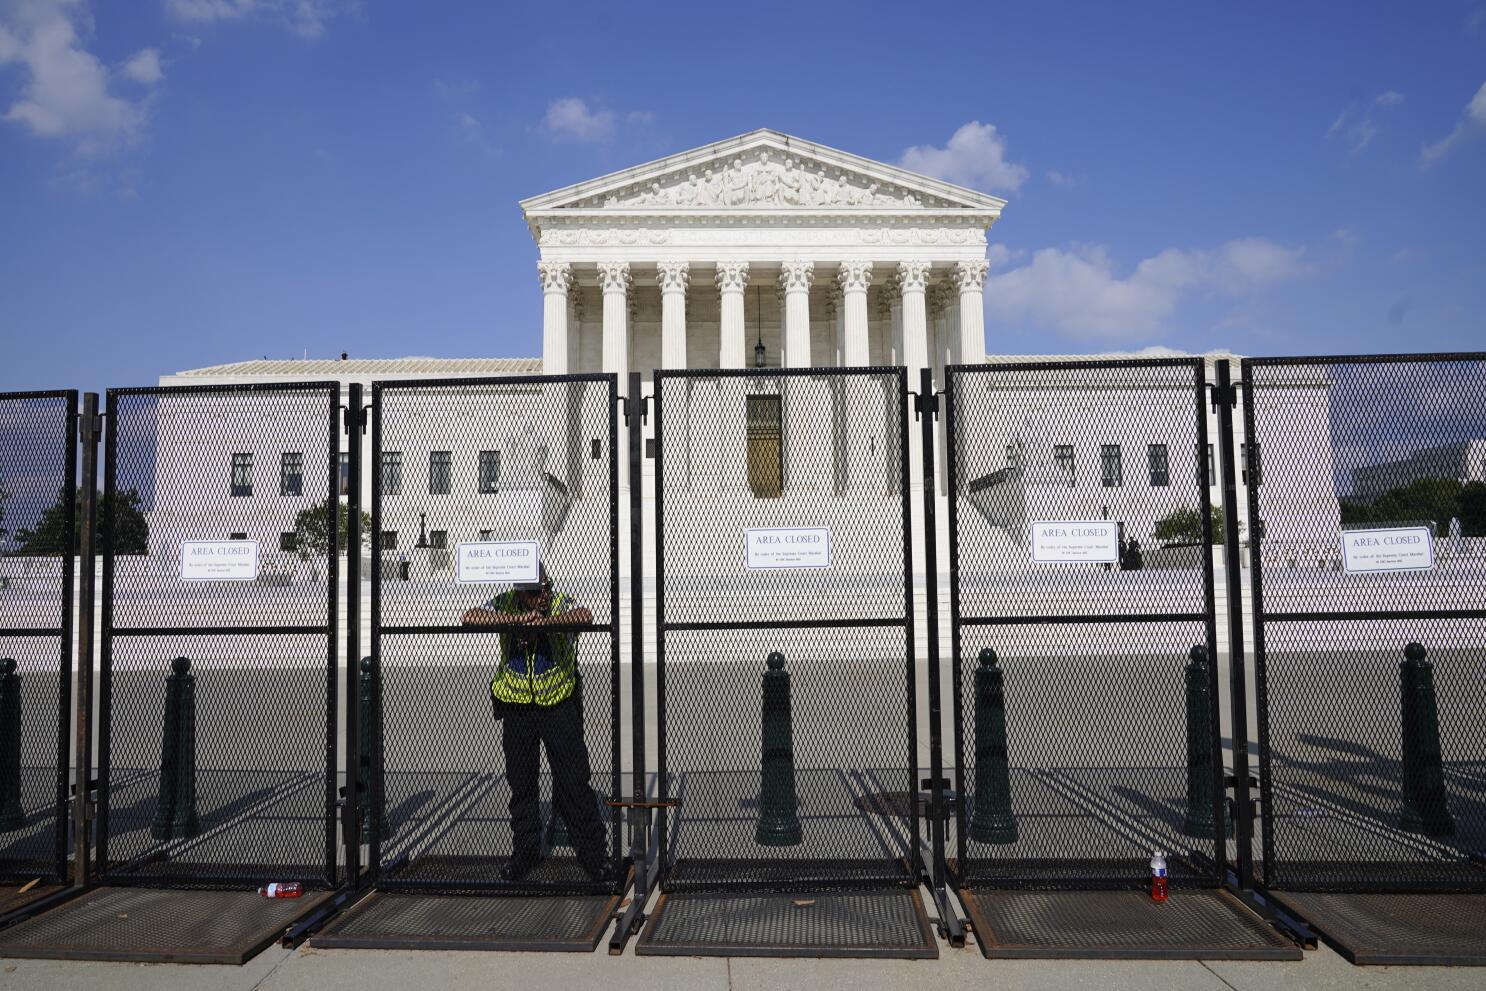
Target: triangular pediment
{"points": [[762, 170]]}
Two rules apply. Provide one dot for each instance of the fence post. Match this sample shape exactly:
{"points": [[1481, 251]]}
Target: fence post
{"points": [[1199, 818], [992, 820], [1424, 807], [778, 817], [12, 815], [369, 729]]}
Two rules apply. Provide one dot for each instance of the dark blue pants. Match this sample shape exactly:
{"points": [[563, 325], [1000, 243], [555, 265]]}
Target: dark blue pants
{"points": [[524, 730]]}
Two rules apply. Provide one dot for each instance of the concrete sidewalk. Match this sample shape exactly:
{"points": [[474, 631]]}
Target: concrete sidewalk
{"points": [[308, 969]]}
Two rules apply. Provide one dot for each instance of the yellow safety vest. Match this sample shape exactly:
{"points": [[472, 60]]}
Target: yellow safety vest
{"points": [[519, 680]]}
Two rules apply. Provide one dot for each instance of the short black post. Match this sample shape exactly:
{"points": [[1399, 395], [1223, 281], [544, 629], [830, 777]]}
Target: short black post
{"points": [[1199, 818], [778, 816], [1424, 807], [369, 724], [175, 807], [992, 820], [12, 816]]}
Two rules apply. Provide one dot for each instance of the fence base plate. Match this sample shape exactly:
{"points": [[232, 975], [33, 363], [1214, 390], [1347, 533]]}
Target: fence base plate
{"points": [[401, 921], [877, 922], [1401, 929], [12, 898], [1200, 924], [158, 926]]}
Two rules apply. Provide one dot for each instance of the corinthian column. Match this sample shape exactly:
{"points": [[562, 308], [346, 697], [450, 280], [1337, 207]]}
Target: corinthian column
{"points": [[615, 280], [557, 278], [970, 278], [913, 278], [673, 277], [732, 279], [795, 279], [854, 278]]}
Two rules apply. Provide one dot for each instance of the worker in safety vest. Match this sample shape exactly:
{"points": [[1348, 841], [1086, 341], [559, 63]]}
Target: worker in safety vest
{"points": [[534, 696]]}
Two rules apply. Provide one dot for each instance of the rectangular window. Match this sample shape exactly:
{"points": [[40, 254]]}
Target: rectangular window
{"points": [[1212, 475], [389, 540], [487, 534], [1249, 464], [765, 447], [438, 539], [489, 471], [345, 473], [1256, 469], [291, 474], [438, 472], [391, 473], [1156, 456], [237, 536], [288, 541], [1063, 458], [242, 475], [1111, 472]]}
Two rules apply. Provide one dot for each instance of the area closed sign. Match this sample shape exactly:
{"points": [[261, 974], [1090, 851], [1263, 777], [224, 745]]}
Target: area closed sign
{"points": [[502, 562], [1075, 542], [219, 560], [1406, 548], [788, 547]]}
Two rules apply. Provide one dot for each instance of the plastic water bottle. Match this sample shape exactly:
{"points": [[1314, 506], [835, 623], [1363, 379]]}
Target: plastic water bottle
{"points": [[1158, 876], [282, 889]]}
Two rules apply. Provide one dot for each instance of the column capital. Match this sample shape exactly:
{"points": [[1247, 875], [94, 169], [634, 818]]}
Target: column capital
{"points": [[796, 275], [614, 276], [940, 295], [556, 277], [854, 276], [672, 276], [912, 276], [732, 275], [970, 275]]}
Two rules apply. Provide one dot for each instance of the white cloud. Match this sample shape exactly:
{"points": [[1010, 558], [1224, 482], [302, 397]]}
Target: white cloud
{"points": [[975, 156], [1357, 123], [1061, 178], [1079, 291], [1472, 121], [306, 18], [66, 92], [570, 118], [144, 67]]}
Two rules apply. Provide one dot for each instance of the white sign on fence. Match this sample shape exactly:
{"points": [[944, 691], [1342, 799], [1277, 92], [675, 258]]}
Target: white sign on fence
{"points": [[487, 562], [1405, 548], [219, 560], [1075, 542], [788, 547]]}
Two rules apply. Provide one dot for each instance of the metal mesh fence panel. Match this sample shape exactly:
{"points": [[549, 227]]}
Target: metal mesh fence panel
{"points": [[786, 669], [1369, 573], [464, 469], [1081, 596], [220, 536], [38, 440]]}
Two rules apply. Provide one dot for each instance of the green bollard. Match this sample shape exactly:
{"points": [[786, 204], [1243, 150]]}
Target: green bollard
{"points": [[175, 807], [12, 816], [369, 733], [992, 820], [1199, 818], [778, 817], [1425, 810]]}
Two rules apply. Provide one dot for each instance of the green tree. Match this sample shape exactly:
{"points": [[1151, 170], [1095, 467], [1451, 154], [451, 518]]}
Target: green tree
{"points": [[312, 530], [1472, 514], [1183, 525], [49, 537], [1428, 500]]}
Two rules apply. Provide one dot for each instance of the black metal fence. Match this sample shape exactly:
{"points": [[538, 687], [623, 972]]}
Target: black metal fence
{"points": [[221, 524], [474, 481], [1081, 592], [38, 507], [785, 655], [1367, 549]]}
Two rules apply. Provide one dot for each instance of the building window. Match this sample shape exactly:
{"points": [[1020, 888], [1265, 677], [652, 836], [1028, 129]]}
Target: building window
{"points": [[489, 470], [1212, 475], [288, 541], [438, 539], [389, 540], [391, 473], [438, 472], [345, 473], [1111, 472], [1156, 456], [237, 536], [1252, 473], [291, 473], [242, 475], [765, 447], [487, 534], [1063, 458]]}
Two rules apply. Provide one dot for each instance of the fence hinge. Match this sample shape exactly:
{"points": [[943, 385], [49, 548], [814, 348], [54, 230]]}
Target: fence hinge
{"points": [[89, 428], [1225, 394], [355, 419], [925, 403]]}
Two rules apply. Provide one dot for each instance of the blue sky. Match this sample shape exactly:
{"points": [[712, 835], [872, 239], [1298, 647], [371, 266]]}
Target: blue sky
{"points": [[187, 182]]}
